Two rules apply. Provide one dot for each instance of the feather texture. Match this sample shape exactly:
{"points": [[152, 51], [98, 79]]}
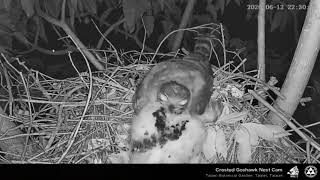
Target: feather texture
{"points": [[158, 134], [192, 72], [178, 139]]}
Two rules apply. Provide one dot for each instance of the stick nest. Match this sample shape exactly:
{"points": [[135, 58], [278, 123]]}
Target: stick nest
{"points": [[61, 125]]}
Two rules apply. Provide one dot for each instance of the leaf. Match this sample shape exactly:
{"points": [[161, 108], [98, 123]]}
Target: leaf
{"points": [[267, 132], [170, 8], [80, 6], [105, 14], [225, 111], [5, 4], [316, 85], [284, 20], [209, 145], [90, 6], [236, 43], [276, 21], [226, 108], [212, 11], [167, 26], [253, 137], [162, 4], [249, 15], [252, 12], [42, 32], [221, 144], [6, 23], [274, 2], [220, 5], [111, 4], [5, 43], [227, 2], [184, 51], [244, 150], [132, 10], [237, 2], [21, 25], [21, 37], [28, 7], [157, 6], [202, 18], [53, 7], [233, 117], [72, 10], [149, 23], [273, 132]]}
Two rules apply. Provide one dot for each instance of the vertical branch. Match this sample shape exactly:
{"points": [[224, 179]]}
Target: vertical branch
{"points": [[302, 64], [184, 21], [63, 11], [261, 40]]}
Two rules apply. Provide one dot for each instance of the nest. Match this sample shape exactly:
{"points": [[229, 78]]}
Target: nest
{"points": [[87, 119]]}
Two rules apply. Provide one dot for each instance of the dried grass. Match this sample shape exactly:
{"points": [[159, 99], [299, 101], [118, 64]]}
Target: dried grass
{"points": [[64, 126]]}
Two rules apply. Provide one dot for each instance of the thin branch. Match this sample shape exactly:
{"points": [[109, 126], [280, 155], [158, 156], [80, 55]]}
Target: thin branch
{"points": [[134, 37], [108, 31], [66, 28], [144, 39], [289, 123], [63, 11], [6, 75], [114, 49], [204, 26], [183, 24], [74, 135]]}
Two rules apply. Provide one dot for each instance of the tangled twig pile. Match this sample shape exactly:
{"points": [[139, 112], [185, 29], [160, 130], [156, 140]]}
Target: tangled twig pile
{"points": [[61, 125]]}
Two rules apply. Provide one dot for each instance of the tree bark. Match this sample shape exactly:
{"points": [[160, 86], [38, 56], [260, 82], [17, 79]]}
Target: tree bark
{"points": [[184, 21], [261, 40], [302, 64]]}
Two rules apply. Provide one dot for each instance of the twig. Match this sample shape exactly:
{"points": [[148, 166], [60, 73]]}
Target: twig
{"points": [[104, 37], [63, 11], [10, 99], [144, 39], [110, 29], [183, 24], [60, 119], [73, 136], [224, 46], [62, 24], [289, 123], [76, 69], [204, 26], [241, 75], [30, 116]]}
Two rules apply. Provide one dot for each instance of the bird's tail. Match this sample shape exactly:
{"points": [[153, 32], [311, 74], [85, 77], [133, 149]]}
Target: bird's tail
{"points": [[203, 46]]}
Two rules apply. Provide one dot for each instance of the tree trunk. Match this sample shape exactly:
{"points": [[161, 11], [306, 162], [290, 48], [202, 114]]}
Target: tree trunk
{"points": [[302, 64]]}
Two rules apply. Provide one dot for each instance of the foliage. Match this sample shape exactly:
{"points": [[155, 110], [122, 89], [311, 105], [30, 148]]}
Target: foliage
{"points": [[19, 18]]}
